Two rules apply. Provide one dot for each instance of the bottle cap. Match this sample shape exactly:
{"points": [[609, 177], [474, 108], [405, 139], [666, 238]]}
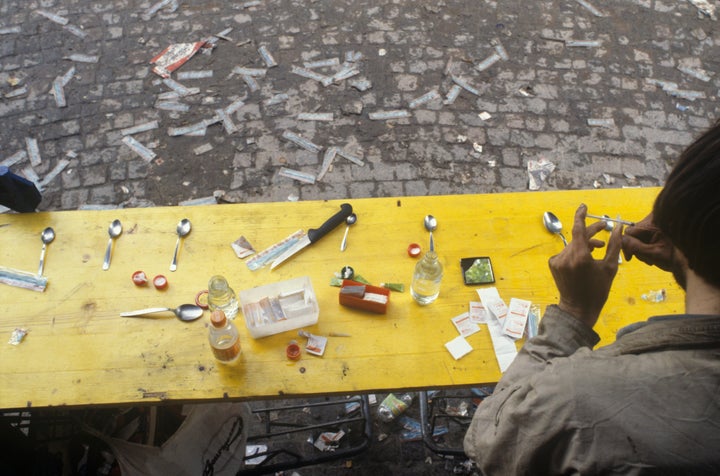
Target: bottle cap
{"points": [[139, 278], [201, 299], [293, 351], [413, 250], [218, 319], [160, 282]]}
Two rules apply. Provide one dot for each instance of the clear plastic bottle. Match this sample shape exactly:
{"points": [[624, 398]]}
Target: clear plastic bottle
{"points": [[393, 406], [224, 338], [425, 285], [221, 296]]}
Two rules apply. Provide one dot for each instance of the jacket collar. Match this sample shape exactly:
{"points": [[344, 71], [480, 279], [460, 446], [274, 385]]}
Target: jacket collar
{"points": [[670, 332]]}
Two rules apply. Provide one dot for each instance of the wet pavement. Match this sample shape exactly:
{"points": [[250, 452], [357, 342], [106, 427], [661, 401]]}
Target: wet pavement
{"points": [[607, 92]]}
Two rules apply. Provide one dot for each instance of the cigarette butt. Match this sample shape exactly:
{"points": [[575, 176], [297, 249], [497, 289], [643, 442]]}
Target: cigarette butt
{"points": [[339, 334]]}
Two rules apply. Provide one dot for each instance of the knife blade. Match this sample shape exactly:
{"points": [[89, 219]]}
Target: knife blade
{"points": [[314, 234]]}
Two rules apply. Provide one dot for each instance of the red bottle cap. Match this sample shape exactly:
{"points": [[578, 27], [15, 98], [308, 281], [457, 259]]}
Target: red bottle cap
{"points": [[201, 299], [293, 351], [160, 282], [139, 278], [413, 250]]}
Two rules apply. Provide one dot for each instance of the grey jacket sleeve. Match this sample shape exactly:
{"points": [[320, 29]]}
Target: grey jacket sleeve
{"points": [[513, 429]]}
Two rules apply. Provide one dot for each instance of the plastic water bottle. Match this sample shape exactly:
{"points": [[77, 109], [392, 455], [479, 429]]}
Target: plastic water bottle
{"points": [[425, 286], [393, 406], [222, 297], [224, 338]]}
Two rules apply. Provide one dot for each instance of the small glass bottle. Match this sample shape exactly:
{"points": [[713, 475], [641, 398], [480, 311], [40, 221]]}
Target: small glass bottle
{"points": [[425, 285], [224, 338], [221, 296]]}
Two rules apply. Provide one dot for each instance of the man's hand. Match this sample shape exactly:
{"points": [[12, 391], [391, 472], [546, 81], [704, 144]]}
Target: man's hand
{"points": [[649, 244], [584, 282]]}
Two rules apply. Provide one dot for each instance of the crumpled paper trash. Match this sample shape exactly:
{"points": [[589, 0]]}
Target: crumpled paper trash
{"points": [[538, 172]]}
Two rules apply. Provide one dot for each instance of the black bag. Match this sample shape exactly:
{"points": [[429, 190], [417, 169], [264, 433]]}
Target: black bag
{"points": [[18, 193]]}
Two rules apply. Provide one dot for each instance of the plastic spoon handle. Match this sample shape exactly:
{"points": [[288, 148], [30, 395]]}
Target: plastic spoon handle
{"points": [[106, 262], [149, 310], [173, 265], [42, 260]]}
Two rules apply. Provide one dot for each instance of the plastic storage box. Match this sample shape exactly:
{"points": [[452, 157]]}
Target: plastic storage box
{"points": [[279, 307]]}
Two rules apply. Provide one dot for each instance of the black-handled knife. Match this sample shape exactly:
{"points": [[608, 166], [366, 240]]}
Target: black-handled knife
{"points": [[314, 234]]}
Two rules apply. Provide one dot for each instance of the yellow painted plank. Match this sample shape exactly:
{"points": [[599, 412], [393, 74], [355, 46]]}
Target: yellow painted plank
{"points": [[79, 351]]}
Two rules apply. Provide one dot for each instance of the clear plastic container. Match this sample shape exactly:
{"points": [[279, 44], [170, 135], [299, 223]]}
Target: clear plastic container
{"points": [[221, 296], [279, 307], [425, 286], [224, 338]]}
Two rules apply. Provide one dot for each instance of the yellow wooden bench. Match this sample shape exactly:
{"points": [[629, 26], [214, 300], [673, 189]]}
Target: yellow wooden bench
{"points": [[79, 351]]}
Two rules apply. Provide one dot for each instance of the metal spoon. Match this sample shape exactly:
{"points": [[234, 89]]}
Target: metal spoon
{"points": [[183, 229], [185, 312], [350, 220], [114, 231], [553, 225], [47, 236], [431, 225]]}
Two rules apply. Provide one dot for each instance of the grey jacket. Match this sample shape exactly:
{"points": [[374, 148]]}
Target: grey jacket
{"points": [[647, 404]]}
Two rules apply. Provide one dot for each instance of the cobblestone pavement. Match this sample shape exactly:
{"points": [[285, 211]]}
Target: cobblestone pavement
{"points": [[646, 62], [608, 94]]}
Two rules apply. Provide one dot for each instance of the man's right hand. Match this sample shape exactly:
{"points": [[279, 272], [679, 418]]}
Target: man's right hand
{"points": [[648, 243]]}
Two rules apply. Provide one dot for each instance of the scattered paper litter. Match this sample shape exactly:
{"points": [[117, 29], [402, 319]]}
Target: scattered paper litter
{"points": [[242, 247], [538, 172], [201, 149], [147, 126], [490, 298], [53, 17], [598, 122], [478, 313], [33, 151], [82, 58], [174, 56], [315, 344], [50, 176], [514, 325], [139, 149], [211, 200], [329, 441], [252, 450], [458, 347], [17, 157], [504, 346], [17, 336], [592, 9], [465, 325]]}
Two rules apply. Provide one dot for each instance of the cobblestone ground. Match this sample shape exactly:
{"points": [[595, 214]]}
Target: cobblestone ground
{"points": [[650, 68], [608, 95]]}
